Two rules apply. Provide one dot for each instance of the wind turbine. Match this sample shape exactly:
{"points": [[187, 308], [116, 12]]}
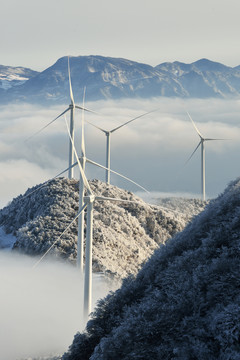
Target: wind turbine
{"points": [[88, 202], [108, 134], [70, 108], [84, 160], [202, 144]]}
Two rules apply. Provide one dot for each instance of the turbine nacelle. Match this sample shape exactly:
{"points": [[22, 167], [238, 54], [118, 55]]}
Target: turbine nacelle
{"points": [[89, 199]]}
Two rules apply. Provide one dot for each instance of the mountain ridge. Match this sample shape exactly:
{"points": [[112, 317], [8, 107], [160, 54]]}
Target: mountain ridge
{"points": [[11, 76], [116, 78]]}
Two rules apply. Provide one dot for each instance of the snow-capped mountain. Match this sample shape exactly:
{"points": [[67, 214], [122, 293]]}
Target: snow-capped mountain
{"points": [[204, 78], [14, 76], [114, 78], [184, 302], [124, 235]]}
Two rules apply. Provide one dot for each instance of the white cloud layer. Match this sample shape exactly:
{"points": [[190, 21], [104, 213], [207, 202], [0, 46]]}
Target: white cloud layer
{"points": [[151, 150]]}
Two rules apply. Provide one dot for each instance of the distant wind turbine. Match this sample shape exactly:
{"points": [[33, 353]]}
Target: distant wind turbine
{"points": [[108, 138], [202, 144], [70, 108]]}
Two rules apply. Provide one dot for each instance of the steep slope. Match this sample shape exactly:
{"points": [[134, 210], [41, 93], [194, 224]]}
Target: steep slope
{"points": [[183, 304], [124, 234], [115, 78]]}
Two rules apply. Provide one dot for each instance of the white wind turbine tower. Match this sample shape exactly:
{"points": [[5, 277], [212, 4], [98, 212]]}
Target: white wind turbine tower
{"points": [[80, 241], [108, 134], [202, 144]]}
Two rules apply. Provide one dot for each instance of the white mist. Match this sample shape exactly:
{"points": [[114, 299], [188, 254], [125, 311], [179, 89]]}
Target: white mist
{"points": [[42, 309]]}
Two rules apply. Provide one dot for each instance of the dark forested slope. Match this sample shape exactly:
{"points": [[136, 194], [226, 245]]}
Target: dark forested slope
{"points": [[184, 303]]}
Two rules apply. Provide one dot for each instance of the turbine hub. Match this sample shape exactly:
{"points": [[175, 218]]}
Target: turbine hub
{"points": [[89, 199]]}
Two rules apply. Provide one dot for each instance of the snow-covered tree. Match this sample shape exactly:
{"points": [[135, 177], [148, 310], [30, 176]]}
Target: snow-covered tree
{"points": [[124, 235]]}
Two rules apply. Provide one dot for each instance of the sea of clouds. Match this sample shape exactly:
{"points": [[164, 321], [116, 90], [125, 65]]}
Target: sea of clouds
{"points": [[151, 150]]}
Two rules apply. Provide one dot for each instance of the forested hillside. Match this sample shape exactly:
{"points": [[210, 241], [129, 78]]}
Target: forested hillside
{"points": [[183, 304], [124, 234]]}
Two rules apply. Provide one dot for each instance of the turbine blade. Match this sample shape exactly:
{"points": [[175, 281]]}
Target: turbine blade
{"points": [[193, 153], [104, 198], [44, 127], [83, 108], [195, 127], [70, 84], [213, 139], [83, 150], [129, 121], [115, 172], [55, 242], [97, 127], [85, 182]]}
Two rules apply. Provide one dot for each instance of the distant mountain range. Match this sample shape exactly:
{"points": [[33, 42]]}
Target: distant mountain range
{"points": [[115, 78]]}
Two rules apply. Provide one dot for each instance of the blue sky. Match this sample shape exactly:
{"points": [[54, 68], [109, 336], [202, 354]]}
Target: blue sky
{"points": [[36, 33]]}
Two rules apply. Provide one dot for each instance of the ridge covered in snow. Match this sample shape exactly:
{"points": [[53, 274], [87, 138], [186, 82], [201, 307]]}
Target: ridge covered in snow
{"points": [[185, 206], [184, 302], [115, 78], [14, 76], [124, 235]]}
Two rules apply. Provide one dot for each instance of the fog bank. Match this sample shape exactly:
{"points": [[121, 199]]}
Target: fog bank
{"points": [[40, 309]]}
